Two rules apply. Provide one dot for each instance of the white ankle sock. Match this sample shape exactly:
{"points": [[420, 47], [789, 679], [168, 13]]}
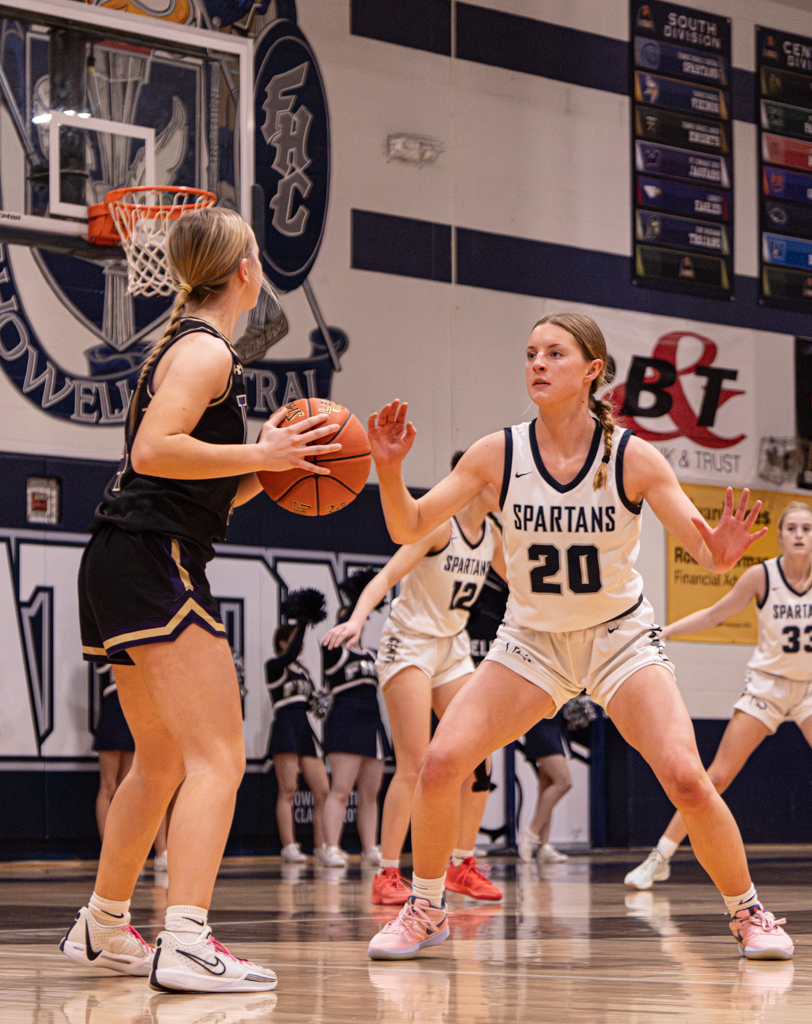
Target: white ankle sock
{"points": [[390, 863], [109, 913], [458, 856], [667, 847], [186, 923], [430, 889], [744, 902]]}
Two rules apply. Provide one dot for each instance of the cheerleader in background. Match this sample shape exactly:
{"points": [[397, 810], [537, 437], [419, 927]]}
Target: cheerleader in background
{"points": [[353, 736], [292, 743]]}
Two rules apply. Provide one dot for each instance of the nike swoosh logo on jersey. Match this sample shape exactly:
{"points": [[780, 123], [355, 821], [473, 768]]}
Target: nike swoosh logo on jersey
{"points": [[524, 474], [210, 967], [611, 629], [92, 953]]}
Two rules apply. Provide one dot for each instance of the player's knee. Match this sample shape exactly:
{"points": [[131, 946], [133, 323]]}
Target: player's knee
{"points": [[690, 785], [720, 777], [443, 768]]}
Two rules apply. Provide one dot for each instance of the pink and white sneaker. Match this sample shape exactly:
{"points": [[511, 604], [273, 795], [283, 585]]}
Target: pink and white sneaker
{"points": [[116, 947], [419, 924], [760, 936]]}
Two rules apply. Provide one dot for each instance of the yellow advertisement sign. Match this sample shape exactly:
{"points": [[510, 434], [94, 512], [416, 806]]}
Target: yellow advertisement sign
{"points": [[691, 588]]}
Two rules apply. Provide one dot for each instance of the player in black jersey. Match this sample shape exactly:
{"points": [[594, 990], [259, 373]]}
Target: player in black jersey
{"points": [[146, 606]]}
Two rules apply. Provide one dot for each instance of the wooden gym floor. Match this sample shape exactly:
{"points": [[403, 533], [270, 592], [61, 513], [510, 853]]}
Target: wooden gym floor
{"points": [[569, 945]]}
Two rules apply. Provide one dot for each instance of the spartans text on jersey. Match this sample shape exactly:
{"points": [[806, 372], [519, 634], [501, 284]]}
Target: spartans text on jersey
{"points": [[564, 518]]}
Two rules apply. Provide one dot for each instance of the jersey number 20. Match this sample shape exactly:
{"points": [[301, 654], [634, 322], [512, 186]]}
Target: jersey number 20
{"points": [[583, 568]]}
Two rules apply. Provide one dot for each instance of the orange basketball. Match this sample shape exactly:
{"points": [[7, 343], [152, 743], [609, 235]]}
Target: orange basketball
{"points": [[311, 494]]}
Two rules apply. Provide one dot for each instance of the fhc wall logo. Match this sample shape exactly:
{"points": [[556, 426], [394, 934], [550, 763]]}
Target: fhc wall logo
{"points": [[292, 154], [676, 397]]}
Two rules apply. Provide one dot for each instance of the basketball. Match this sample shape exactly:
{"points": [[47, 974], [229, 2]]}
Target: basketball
{"points": [[310, 494]]}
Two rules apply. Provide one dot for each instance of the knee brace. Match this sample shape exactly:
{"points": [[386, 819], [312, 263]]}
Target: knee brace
{"points": [[482, 778]]}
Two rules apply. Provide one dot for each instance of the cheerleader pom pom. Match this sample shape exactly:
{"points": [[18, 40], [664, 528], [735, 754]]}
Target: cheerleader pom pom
{"points": [[306, 605], [355, 583]]}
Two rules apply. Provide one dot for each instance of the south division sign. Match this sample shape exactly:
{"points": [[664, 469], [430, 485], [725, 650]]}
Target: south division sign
{"points": [[682, 149], [785, 168]]}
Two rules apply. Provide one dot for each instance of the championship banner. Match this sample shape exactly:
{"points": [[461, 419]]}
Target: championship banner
{"points": [[792, 121], [785, 126], [675, 197], [662, 228], [681, 163], [775, 149], [681, 130], [691, 588], [786, 184], [681, 147], [787, 218], [668, 92], [786, 252]]}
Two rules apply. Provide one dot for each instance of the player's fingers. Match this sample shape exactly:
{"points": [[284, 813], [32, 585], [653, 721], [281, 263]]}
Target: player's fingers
{"points": [[753, 515], [309, 423], [742, 506], [388, 412], [320, 449], [756, 536], [728, 507], [411, 430], [277, 417], [313, 435], [400, 417]]}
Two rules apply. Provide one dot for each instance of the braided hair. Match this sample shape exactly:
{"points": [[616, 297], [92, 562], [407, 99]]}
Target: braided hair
{"points": [[593, 346], [204, 250]]}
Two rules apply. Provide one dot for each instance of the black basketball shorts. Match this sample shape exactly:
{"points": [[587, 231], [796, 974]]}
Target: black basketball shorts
{"points": [[141, 588]]}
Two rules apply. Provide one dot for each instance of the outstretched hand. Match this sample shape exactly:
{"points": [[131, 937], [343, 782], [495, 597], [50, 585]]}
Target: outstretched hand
{"points": [[346, 633], [390, 435], [287, 446], [731, 537]]}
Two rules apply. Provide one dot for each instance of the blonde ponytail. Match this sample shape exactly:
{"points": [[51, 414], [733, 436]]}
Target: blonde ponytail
{"points": [[603, 413], [204, 250]]}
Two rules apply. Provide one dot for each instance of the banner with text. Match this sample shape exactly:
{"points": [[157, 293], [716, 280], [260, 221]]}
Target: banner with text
{"points": [[691, 588]]}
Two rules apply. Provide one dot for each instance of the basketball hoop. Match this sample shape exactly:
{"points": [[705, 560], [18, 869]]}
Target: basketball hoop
{"points": [[137, 219]]}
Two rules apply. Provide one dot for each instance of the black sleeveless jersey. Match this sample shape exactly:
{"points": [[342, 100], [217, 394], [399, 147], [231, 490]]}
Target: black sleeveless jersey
{"points": [[344, 669], [486, 615], [292, 684], [193, 510]]}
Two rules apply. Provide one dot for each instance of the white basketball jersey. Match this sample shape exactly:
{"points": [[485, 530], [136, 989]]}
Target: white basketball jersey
{"points": [[436, 596], [784, 628], [570, 550]]}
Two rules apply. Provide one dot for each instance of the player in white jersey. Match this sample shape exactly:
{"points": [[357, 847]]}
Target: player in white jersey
{"points": [[778, 684], [571, 493], [424, 659]]}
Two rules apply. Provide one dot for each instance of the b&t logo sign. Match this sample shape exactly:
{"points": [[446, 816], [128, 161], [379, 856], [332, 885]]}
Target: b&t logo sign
{"points": [[292, 154]]}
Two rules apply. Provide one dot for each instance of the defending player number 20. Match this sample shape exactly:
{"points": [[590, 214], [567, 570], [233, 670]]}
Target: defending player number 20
{"points": [[583, 568]]}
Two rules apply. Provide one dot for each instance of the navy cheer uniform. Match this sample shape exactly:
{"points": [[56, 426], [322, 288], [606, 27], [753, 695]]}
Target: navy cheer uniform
{"points": [[290, 688], [112, 731], [142, 579], [353, 724]]}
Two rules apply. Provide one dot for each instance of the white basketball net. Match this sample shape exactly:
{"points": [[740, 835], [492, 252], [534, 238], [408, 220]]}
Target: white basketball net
{"points": [[142, 217]]}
